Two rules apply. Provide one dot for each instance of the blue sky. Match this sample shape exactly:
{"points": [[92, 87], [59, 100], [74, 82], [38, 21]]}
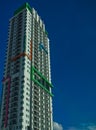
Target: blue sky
{"points": [[71, 26]]}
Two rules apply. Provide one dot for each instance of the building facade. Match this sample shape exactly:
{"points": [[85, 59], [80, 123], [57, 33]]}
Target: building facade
{"points": [[26, 86]]}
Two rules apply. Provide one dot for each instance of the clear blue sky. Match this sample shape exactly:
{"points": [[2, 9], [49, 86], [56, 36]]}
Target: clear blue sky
{"points": [[71, 25]]}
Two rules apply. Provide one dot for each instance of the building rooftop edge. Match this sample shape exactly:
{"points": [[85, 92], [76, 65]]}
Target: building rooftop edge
{"points": [[25, 5]]}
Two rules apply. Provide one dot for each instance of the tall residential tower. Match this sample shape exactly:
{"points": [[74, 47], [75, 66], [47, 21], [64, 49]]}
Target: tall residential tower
{"points": [[26, 93]]}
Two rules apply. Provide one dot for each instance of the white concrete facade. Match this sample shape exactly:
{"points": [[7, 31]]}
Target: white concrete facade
{"points": [[27, 96]]}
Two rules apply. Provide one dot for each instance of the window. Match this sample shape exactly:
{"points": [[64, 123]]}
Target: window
{"points": [[20, 125], [21, 114], [27, 110]]}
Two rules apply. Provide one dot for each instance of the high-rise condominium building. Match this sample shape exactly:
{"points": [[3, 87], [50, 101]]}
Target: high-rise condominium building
{"points": [[26, 95]]}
